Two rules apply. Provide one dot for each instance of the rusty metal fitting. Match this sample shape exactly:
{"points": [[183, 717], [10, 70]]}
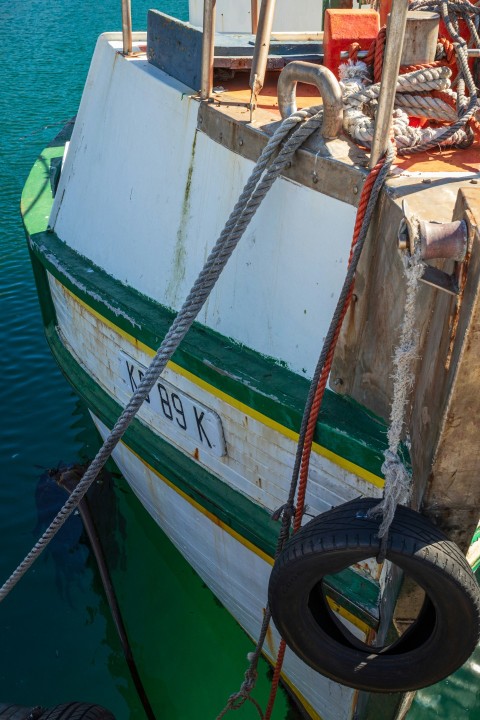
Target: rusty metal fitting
{"points": [[446, 241], [437, 241], [404, 242]]}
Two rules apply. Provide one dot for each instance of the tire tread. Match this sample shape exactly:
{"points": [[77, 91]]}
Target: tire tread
{"points": [[417, 546], [77, 711]]}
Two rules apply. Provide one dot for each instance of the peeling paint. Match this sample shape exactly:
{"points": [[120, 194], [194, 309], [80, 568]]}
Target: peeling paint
{"points": [[73, 280]]}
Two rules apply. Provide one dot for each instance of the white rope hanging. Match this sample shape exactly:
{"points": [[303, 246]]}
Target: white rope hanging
{"points": [[398, 480]]}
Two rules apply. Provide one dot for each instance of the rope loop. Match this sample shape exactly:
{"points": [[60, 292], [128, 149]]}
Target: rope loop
{"points": [[237, 700], [286, 511], [353, 49], [446, 50]]}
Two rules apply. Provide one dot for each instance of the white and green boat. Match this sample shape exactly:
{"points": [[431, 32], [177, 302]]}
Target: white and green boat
{"points": [[121, 212]]}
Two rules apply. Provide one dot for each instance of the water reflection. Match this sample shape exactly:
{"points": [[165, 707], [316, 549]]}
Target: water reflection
{"points": [[456, 697]]}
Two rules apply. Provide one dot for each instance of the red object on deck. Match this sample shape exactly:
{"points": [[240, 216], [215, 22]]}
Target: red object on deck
{"points": [[385, 7], [344, 27]]}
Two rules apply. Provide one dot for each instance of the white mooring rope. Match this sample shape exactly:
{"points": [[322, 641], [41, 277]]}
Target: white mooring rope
{"points": [[398, 480]]}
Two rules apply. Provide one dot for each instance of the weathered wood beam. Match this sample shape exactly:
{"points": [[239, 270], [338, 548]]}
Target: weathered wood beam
{"points": [[443, 418], [452, 494]]}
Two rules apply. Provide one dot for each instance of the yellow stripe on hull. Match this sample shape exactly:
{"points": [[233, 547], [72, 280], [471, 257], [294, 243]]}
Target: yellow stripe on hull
{"points": [[338, 460], [239, 538]]}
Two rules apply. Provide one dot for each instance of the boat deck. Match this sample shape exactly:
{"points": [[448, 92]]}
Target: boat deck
{"points": [[234, 95], [176, 48]]}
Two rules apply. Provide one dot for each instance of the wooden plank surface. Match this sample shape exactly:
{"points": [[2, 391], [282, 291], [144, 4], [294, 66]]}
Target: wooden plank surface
{"points": [[452, 497]]}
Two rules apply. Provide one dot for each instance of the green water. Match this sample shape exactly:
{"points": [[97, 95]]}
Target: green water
{"points": [[57, 641]]}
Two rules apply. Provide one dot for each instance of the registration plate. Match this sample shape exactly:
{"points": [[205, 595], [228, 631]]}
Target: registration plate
{"points": [[176, 410]]}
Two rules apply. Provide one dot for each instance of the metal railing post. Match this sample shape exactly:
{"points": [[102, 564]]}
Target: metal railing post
{"points": [[254, 14], [262, 46], [391, 65], [127, 27], [208, 48]]}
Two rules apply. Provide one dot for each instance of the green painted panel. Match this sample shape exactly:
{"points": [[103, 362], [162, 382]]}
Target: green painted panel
{"points": [[458, 696], [190, 653], [344, 427]]}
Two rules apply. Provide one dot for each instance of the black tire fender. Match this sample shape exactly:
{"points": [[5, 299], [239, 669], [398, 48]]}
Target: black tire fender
{"points": [[19, 712], [77, 711], [441, 639]]}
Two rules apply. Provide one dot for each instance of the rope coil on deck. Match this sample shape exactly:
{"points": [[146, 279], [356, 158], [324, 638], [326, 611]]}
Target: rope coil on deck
{"points": [[360, 104]]}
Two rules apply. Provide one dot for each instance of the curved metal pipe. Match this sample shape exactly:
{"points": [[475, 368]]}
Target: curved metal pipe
{"points": [[327, 85]]}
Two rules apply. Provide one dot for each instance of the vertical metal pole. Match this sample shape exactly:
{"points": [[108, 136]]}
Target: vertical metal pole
{"points": [[262, 46], [391, 64], [208, 48], [127, 27], [254, 14]]}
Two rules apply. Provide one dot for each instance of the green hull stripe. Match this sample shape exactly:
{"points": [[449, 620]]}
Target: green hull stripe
{"points": [[344, 428], [338, 429], [357, 594]]}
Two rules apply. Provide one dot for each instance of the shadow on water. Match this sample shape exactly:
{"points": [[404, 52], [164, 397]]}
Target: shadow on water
{"points": [[68, 550], [55, 626], [456, 697]]}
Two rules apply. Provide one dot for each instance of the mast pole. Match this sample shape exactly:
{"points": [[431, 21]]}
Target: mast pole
{"points": [[391, 65]]}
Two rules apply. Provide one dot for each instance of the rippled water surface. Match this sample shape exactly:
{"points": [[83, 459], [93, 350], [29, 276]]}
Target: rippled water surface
{"points": [[58, 642]]}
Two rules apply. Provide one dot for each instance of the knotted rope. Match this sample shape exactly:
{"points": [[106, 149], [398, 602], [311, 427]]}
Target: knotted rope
{"points": [[360, 103], [268, 168]]}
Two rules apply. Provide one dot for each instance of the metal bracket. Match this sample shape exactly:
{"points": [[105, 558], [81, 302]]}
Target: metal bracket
{"points": [[437, 241]]}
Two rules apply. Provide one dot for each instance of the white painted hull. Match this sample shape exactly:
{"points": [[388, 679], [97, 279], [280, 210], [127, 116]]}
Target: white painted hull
{"points": [[152, 226], [172, 208], [234, 572], [258, 464], [260, 453]]}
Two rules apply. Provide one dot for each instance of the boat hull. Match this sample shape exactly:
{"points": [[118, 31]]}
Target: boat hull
{"points": [[235, 570], [213, 447]]}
